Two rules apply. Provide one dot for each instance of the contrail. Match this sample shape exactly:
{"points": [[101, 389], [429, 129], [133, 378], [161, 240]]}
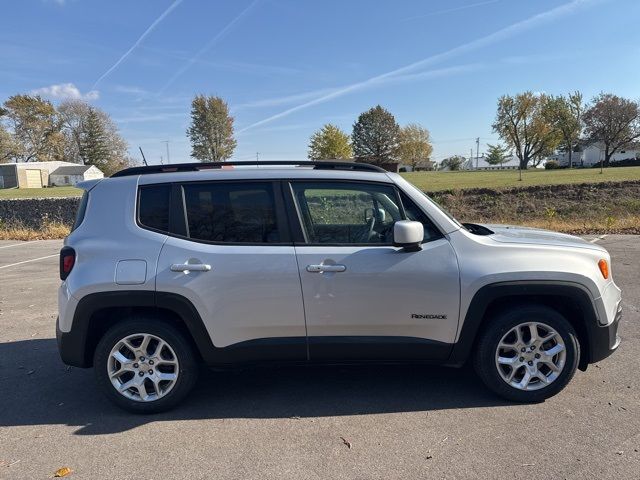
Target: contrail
{"points": [[450, 10], [208, 46], [494, 37], [137, 42]]}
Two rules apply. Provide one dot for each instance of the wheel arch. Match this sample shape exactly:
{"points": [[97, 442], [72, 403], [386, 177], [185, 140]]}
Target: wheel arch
{"points": [[97, 312], [571, 300]]}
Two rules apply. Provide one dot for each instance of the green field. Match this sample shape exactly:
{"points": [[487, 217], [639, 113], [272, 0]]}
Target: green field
{"points": [[40, 192], [435, 181]]}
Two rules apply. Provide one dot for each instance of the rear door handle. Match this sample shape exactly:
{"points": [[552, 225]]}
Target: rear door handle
{"points": [[325, 268], [190, 267]]}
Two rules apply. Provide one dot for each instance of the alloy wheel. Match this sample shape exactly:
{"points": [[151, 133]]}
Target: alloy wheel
{"points": [[530, 356], [143, 367]]}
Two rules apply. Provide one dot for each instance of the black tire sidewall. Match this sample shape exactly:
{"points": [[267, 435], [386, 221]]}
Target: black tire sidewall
{"points": [[497, 327], [188, 366]]}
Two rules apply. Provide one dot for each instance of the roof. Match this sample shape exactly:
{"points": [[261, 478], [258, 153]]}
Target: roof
{"points": [[71, 170], [48, 166]]}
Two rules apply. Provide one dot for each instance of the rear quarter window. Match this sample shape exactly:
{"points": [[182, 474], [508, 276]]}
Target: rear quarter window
{"points": [[82, 210], [153, 207]]}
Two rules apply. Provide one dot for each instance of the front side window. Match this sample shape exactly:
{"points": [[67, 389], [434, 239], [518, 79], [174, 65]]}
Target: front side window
{"points": [[229, 212], [347, 213]]}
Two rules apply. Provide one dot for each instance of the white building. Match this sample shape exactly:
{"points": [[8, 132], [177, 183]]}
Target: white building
{"points": [[480, 163], [70, 175], [592, 154]]}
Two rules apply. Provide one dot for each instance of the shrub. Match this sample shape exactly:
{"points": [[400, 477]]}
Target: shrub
{"points": [[551, 165]]}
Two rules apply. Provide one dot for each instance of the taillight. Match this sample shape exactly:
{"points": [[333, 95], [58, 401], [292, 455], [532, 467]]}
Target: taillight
{"points": [[67, 261]]}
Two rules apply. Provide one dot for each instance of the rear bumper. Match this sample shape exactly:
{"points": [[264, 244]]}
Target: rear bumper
{"points": [[71, 347], [605, 339]]}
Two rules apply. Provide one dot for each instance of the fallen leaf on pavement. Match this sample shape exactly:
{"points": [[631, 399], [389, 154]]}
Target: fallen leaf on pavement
{"points": [[346, 442], [62, 472]]}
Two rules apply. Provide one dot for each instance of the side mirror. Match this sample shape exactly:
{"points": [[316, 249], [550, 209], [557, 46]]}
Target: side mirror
{"points": [[408, 234]]}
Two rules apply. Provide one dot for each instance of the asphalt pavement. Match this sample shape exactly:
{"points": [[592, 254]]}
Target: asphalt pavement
{"points": [[373, 422]]}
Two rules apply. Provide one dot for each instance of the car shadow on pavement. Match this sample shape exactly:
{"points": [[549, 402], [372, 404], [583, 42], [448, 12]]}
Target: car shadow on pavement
{"points": [[37, 389]]}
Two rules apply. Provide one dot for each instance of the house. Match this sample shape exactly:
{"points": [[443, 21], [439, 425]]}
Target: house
{"points": [[588, 155], [38, 174], [71, 175]]}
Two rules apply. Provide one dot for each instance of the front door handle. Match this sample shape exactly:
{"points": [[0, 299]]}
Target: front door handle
{"points": [[190, 267], [325, 268]]}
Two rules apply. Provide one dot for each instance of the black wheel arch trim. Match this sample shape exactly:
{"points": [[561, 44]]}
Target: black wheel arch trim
{"points": [[600, 341], [76, 349]]}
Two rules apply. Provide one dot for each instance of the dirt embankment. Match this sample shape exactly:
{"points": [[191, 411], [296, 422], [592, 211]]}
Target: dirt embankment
{"points": [[610, 207]]}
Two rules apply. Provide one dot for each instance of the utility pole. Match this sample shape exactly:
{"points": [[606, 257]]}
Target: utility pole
{"points": [[477, 151], [166, 142], [257, 158], [471, 158]]}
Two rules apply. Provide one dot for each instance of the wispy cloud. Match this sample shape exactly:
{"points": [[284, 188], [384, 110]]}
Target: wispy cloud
{"points": [[495, 37], [450, 10], [130, 90], [209, 45], [135, 45], [66, 91]]}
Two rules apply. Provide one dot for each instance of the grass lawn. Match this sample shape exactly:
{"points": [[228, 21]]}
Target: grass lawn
{"points": [[434, 181], [39, 192]]}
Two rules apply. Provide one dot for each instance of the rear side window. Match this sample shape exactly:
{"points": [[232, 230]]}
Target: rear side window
{"points": [[229, 212], [153, 207]]}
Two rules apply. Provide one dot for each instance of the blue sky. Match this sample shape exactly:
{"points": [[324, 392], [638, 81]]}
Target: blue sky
{"points": [[286, 67]]}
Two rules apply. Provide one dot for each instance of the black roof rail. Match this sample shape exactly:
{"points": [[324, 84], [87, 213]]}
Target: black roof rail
{"points": [[194, 167]]}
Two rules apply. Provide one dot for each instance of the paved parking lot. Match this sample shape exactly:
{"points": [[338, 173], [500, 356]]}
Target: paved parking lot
{"points": [[401, 422]]}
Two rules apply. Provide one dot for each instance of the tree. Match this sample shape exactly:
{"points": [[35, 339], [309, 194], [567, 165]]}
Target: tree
{"points": [[414, 146], [92, 138], [566, 116], [375, 136], [94, 149], [497, 154], [614, 121], [329, 143], [211, 130], [9, 149], [453, 163], [523, 122], [34, 126]]}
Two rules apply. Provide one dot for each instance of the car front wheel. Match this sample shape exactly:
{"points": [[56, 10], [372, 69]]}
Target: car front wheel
{"points": [[527, 354], [145, 366]]}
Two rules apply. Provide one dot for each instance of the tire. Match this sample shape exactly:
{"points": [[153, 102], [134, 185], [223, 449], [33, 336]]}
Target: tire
{"points": [[177, 358], [503, 328]]}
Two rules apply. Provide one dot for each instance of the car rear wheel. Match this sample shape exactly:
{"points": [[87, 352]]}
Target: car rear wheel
{"points": [[527, 354], [145, 365]]}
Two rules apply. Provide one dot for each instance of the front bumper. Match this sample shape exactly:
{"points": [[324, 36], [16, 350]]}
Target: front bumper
{"points": [[605, 339]]}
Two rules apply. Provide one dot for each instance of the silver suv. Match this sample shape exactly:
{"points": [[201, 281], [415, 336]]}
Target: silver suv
{"points": [[169, 268]]}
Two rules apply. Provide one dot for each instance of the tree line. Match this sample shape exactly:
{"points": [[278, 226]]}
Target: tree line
{"points": [[32, 129], [534, 126], [376, 137]]}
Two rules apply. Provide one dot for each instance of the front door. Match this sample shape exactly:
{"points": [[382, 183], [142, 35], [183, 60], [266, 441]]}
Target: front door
{"points": [[364, 298], [237, 266]]}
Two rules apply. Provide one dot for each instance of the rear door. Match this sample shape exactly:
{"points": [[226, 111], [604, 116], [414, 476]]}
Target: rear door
{"points": [[364, 298], [232, 257]]}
